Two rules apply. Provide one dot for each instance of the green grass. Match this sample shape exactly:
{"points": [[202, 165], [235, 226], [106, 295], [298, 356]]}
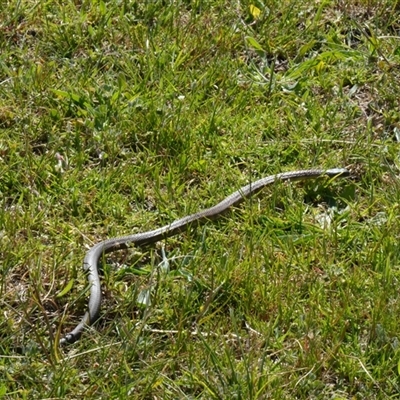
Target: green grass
{"points": [[121, 116]]}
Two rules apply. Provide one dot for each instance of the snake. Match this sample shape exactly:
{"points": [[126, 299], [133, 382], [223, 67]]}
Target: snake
{"points": [[95, 253]]}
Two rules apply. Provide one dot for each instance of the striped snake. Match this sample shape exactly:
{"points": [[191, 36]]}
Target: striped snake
{"points": [[91, 261]]}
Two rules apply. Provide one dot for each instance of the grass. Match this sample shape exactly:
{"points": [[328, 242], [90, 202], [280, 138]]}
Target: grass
{"points": [[121, 116]]}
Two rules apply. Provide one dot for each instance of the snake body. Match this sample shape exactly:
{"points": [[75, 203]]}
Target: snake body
{"points": [[93, 256]]}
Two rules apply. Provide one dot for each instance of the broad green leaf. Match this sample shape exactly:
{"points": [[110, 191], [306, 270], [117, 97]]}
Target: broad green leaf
{"points": [[61, 93], [102, 8], [66, 289], [253, 43]]}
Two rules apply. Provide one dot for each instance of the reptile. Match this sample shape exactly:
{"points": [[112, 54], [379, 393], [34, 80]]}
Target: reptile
{"points": [[93, 256]]}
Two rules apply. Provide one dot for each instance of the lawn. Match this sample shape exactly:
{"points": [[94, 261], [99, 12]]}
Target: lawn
{"points": [[118, 117]]}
